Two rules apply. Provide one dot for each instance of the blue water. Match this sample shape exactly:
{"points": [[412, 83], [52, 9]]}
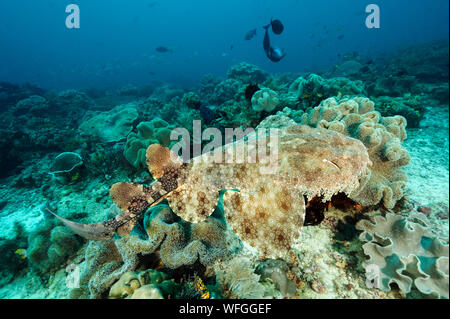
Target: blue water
{"points": [[117, 39]]}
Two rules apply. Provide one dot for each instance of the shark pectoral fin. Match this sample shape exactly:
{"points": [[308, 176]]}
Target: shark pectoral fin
{"points": [[193, 204], [99, 231], [161, 160], [126, 228], [125, 195], [269, 220]]}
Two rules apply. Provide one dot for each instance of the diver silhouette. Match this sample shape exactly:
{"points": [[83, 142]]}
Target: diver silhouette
{"points": [[275, 54]]}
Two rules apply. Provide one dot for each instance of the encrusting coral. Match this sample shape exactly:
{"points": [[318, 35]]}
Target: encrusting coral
{"points": [[403, 250], [382, 136]]}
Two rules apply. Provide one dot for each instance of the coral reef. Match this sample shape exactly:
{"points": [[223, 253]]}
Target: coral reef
{"points": [[111, 126], [314, 89], [147, 284], [154, 131], [12, 263], [225, 91], [247, 73], [176, 242], [275, 270], [237, 279], [50, 245], [402, 250], [408, 106], [34, 105], [198, 229], [191, 100]]}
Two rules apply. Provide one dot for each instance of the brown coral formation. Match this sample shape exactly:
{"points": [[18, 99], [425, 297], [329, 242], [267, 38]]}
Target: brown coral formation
{"points": [[382, 137]]}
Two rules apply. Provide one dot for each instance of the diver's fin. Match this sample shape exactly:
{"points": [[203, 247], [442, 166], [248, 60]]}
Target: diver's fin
{"points": [[99, 231]]}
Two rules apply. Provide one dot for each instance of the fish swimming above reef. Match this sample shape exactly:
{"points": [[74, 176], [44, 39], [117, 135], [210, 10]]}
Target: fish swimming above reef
{"points": [[265, 201], [250, 34], [162, 49], [277, 26], [274, 54]]}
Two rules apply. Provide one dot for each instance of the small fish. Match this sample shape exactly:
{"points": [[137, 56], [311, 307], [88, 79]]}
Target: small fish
{"points": [[201, 289], [340, 37], [339, 94], [21, 252], [275, 54], [162, 49], [306, 96], [250, 34], [364, 69], [277, 26]]}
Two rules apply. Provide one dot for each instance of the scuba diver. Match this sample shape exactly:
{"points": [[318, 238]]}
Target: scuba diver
{"points": [[274, 54]]}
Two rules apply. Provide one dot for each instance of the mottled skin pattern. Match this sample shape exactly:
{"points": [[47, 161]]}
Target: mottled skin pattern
{"points": [[265, 208]]}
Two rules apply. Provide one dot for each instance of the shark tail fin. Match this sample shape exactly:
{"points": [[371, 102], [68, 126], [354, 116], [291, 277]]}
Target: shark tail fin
{"points": [[99, 231]]}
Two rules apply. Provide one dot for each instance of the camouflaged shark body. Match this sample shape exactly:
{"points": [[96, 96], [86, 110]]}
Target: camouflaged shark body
{"points": [[267, 210]]}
